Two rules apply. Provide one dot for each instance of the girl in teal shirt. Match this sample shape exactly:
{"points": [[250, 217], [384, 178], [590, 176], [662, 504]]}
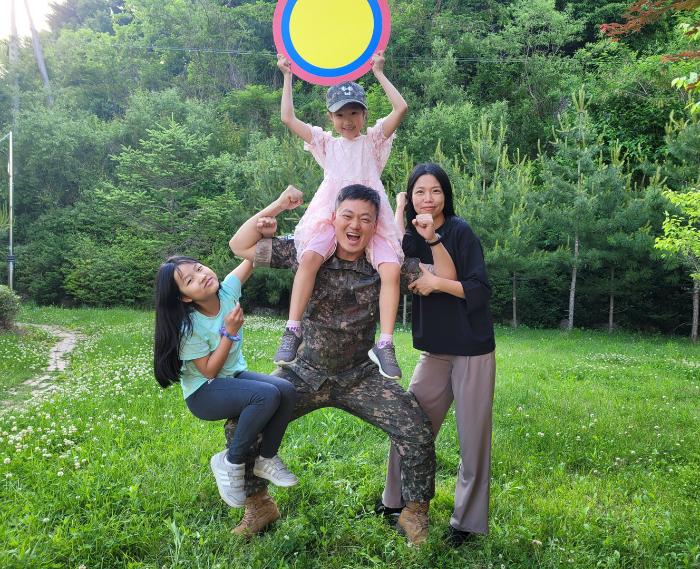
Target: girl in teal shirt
{"points": [[198, 343]]}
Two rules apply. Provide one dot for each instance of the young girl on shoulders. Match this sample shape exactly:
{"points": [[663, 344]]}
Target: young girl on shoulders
{"points": [[350, 158], [198, 343]]}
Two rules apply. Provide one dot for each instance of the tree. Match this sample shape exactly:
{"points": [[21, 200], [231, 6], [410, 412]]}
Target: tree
{"points": [[514, 250], [689, 83], [94, 14], [644, 12], [681, 239], [626, 232], [579, 192]]}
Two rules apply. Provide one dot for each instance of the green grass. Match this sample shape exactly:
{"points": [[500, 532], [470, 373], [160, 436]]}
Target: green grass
{"points": [[596, 462], [22, 356]]}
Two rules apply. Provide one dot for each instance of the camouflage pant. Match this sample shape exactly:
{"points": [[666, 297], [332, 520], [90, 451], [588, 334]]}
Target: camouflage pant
{"points": [[379, 401]]}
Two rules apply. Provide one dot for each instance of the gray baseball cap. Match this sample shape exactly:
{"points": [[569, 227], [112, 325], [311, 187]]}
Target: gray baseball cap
{"points": [[344, 93]]}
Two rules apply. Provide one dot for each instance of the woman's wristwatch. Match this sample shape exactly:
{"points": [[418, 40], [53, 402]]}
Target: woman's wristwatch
{"points": [[438, 239], [233, 338]]}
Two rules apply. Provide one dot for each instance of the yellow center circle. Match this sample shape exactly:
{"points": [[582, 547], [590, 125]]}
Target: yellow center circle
{"points": [[331, 33]]}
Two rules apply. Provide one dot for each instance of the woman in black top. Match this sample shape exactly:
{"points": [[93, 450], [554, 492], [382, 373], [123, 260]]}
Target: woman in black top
{"points": [[453, 328]]}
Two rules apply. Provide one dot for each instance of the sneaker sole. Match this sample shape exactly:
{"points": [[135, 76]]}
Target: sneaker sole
{"points": [[261, 474], [283, 363], [229, 502], [375, 359]]}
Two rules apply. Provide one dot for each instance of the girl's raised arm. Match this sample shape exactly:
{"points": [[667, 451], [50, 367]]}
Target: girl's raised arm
{"points": [[300, 128], [398, 104], [400, 213], [243, 271]]}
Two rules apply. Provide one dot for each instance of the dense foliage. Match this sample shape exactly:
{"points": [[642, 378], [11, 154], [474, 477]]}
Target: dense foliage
{"points": [[9, 307], [165, 134]]}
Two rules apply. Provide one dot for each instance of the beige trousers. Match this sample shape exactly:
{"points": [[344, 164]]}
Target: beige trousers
{"points": [[469, 382]]}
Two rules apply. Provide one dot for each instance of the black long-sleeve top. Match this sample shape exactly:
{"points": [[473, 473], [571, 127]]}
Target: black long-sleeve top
{"points": [[443, 323]]}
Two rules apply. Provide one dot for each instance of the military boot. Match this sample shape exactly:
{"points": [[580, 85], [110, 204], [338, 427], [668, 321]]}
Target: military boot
{"points": [[413, 522], [260, 512]]}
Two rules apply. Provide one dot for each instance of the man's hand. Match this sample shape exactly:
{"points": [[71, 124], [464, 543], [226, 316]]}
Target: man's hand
{"points": [[290, 198], [425, 226], [378, 63], [267, 226], [426, 284], [401, 200], [284, 65], [233, 321]]}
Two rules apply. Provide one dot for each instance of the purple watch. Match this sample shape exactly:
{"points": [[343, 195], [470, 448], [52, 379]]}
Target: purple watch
{"points": [[234, 338]]}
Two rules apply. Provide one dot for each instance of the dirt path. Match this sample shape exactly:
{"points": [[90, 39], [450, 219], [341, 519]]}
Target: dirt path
{"points": [[58, 360]]}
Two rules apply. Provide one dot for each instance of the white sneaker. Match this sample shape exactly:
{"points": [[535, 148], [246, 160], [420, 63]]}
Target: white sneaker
{"points": [[274, 470], [229, 479]]}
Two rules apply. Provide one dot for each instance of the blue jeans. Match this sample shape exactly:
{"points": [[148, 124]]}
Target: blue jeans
{"points": [[262, 404]]}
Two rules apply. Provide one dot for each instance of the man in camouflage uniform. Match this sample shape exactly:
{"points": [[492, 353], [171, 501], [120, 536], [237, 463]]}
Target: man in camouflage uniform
{"points": [[332, 368]]}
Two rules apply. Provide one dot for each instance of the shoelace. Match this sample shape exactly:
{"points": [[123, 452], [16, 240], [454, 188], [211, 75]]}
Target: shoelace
{"points": [[288, 339], [248, 517], [391, 353]]}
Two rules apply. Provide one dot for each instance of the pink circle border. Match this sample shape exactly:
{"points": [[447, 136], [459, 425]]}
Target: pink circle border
{"points": [[328, 81]]}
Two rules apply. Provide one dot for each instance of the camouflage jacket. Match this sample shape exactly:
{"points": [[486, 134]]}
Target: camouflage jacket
{"points": [[341, 318]]}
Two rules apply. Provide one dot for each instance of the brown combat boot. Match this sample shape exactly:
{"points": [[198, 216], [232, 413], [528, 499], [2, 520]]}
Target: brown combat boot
{"points": [[260, 512], [413, 522]]}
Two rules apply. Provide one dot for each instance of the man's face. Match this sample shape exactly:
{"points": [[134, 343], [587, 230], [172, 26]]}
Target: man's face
{"points": [[354, 222]]}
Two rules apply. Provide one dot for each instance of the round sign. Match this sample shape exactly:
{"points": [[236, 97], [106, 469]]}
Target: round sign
{"points": [[331, 41]]}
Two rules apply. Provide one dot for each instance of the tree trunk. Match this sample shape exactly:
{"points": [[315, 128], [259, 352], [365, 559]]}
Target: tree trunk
{"points": [[611, 310], [572, 289], [515, 302], [696, 303], [13, 58], [39, 55]]}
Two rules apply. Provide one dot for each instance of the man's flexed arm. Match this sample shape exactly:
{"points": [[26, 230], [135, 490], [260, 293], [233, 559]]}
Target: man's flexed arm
{"points": [[244, 240]]}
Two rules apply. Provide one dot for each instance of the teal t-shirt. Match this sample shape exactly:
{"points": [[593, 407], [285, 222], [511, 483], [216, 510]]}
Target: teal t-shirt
{"points": [[205, 338]]}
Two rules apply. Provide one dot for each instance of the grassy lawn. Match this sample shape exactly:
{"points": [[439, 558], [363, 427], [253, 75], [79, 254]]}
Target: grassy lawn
{"points": [[596, 461], [22, 356]]}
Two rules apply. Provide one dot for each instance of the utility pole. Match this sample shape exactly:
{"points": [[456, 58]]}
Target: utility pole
{"points": [[14, 85], [10, 255]]}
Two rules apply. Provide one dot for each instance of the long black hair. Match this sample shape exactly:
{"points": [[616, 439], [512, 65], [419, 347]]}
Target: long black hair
{"points": [[173, 321], [441, 176]]}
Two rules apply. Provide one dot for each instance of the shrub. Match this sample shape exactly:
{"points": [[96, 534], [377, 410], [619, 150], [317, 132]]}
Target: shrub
{"points": [[9, 306]]}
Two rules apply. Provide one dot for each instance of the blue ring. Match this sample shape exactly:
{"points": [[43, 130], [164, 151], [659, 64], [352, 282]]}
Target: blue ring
{"points": [[336, 71]]}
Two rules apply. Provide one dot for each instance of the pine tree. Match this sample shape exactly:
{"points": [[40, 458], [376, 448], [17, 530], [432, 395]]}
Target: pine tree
{"points": [[579, 195]]}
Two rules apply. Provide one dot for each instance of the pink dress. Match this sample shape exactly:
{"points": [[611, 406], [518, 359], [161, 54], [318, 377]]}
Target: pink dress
{"points": [[345, 162]]}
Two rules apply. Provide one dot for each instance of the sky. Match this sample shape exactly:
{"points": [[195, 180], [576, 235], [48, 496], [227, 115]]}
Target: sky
{"points": [[38, 8]]}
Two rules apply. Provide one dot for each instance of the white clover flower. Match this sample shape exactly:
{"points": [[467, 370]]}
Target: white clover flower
{"points": [[7, 460], [59, 473]]}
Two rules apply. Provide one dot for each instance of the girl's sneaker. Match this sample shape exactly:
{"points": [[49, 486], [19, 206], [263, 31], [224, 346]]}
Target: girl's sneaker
{"points": [[287, 352], [385, 358], [274, 470], [229, 479]]}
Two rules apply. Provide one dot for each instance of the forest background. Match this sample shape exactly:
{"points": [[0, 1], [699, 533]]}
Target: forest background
{"points": [[161, 134]]}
